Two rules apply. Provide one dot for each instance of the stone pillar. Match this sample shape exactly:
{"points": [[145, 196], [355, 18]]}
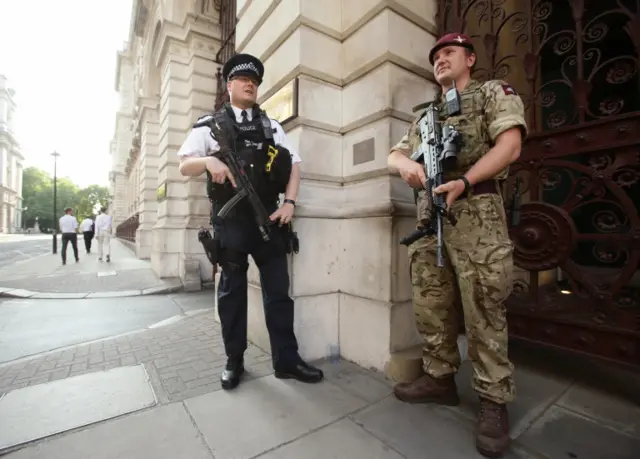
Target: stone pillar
{"points": [[148, 164], [368, 67], [188, 91], [123, 138]]}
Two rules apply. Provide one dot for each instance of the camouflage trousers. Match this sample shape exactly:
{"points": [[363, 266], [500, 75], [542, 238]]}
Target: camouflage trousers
{"points": [[478, 274]]}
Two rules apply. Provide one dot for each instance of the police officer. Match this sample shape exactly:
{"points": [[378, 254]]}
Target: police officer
{"points": [[478, 266], [238, 234]]}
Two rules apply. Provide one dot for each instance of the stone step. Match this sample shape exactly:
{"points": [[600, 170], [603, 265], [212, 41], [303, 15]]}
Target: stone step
{"points": [[406, 365]]}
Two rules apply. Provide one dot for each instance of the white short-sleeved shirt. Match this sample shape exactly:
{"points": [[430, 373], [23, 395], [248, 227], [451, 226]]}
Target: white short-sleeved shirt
{"points": [[200, 142], [86, 225], [103, 224], [68, 224]]}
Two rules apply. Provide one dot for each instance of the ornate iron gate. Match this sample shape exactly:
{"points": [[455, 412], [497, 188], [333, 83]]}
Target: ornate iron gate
{"points": [[575, 65]]}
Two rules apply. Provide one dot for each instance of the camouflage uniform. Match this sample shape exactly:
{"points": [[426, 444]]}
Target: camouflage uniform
{"points": [[478, 262]]}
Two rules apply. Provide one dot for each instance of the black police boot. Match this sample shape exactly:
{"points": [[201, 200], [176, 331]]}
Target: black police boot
{"points": [[300, 370], [230, 377]]}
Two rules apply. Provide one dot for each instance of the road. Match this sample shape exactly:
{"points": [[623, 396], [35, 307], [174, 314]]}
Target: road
{"points": [[19, 247], [29, 327]]}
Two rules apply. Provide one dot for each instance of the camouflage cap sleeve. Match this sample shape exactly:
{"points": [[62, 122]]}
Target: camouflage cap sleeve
{"points": [[503, 109]]}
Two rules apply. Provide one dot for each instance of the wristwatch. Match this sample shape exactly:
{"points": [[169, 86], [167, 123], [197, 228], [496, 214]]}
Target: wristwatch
{"points": [[290, 201]]}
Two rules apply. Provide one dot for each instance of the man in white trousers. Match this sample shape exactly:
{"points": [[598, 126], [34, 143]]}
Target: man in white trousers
{"points": [[103, 233]]}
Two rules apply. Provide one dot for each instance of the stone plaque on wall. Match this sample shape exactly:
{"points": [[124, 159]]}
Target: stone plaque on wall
{"points": [[283, 105], [364, 151]]}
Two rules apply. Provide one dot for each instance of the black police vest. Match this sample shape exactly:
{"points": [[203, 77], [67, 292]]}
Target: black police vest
{"points": [[251, 141]]}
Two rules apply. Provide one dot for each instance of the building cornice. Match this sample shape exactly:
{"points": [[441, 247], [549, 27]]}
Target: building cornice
{"points": [[193, 26], [7, 138], [126, 52], [121, 55]]}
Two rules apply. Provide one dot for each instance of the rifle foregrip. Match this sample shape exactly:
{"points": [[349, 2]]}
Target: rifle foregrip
{"points": [[414, 236]]}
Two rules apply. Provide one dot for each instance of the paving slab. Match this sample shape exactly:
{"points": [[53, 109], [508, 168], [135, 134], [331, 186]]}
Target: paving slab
{"points": [[164, 432], [343, 439], [563, 434], [355, 380], [46, 409], [536, 391], [266, 413], [604, 408], [420, 431]]}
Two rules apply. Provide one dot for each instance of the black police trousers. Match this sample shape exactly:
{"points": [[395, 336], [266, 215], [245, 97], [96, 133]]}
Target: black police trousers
{"points": [[239, 238]]}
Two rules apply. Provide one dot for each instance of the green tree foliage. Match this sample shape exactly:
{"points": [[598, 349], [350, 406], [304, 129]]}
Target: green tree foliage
{"points": [[37, 194]]}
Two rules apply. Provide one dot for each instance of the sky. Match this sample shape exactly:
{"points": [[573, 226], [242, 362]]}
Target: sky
{"points": [[60, 58]]}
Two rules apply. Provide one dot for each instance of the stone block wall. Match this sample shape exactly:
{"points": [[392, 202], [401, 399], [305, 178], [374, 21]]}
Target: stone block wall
{"points": [[361, 67]]}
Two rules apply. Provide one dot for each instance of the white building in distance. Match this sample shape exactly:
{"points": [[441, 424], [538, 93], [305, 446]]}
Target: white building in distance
{"points": [[11, 163]]}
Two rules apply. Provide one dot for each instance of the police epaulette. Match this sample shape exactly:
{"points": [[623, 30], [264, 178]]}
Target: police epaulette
{"points": [[203, 121]]}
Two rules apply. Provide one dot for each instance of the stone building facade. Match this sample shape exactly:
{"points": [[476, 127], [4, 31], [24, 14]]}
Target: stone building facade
{"points": [[11, 163], [165, 78], [343, 77]]}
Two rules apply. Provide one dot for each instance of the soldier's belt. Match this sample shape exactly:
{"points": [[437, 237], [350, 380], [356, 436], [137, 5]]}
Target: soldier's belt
{"points": [[487, 187]]}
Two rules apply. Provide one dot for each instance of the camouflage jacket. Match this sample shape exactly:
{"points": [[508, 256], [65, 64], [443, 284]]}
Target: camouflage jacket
{"points": [[488, 110]]}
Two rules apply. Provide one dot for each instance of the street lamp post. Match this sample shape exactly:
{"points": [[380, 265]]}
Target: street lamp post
{"points": [[55, 193]]}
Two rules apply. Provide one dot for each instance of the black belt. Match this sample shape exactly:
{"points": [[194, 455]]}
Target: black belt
{"points": [[486, 187]]}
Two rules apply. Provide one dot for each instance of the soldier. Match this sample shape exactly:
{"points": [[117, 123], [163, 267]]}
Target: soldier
{"points": [[238, 234], [478, 262]]}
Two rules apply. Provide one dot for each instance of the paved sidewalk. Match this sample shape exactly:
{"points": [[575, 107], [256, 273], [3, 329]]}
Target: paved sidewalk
{"points": [[45, 277], [351, 415]]}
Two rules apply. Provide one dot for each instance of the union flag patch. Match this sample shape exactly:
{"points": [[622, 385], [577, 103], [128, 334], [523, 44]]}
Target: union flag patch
{"points": [[508, 90]]}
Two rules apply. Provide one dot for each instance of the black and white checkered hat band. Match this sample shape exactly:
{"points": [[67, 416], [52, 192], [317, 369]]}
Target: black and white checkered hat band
{"points": [[247, 66]]}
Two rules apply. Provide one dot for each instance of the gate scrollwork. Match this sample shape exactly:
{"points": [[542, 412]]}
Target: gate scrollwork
{"points": [[575, 65]]}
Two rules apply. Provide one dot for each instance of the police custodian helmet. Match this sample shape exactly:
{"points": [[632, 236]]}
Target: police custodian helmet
{"points": [[243, 65]]}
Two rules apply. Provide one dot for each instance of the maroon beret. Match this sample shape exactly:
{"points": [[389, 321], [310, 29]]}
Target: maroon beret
{"points": [[451, 39]]}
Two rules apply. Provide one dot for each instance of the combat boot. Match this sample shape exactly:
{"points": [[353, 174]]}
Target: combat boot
{"points": [[492, 434], [428, 389]]}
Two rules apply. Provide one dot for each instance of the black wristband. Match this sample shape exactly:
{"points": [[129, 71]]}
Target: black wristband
{"points": [[290, 201], [467, 186]]}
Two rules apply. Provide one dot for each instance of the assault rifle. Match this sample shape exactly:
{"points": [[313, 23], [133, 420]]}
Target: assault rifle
{"points": [[244, 188], [438, 152]]}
